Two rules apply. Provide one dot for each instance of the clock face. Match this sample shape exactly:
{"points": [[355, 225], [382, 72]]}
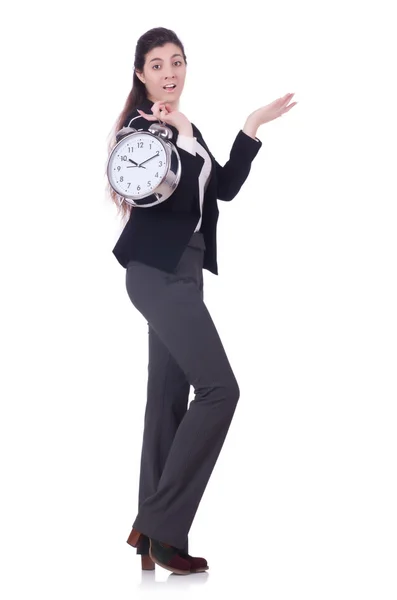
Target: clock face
{"points": [[138, 165]]}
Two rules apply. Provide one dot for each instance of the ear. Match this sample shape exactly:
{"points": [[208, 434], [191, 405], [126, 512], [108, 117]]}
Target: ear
{"points": [[140, 77]]}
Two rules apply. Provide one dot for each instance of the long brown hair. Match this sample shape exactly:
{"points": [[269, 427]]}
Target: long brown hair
{"points": [[159, 36]]}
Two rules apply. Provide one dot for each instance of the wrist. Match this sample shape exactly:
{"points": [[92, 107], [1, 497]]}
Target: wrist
{"points": [[186, 129], [250, 128]]}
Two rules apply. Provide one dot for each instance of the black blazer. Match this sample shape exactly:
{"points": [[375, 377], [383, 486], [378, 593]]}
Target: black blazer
{"points": [[158, 235]]}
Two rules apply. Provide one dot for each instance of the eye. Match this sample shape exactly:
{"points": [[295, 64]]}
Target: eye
{"points": [[177, 61]]}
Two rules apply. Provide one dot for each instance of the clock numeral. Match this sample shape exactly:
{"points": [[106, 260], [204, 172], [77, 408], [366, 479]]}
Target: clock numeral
{"points": [[130, 149], [118, 168], [140, 144], [138, 188], [160, 163], [121, 178], [123, 158], [157, 174], [149, 183], [128, 183]]}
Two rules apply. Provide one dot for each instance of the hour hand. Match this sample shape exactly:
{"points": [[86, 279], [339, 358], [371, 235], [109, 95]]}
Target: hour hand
{"points": [[135, 164]]}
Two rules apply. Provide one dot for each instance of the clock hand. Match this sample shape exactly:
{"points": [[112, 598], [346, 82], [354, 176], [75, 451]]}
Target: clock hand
{"points": [[133, 161], [142, 163]]}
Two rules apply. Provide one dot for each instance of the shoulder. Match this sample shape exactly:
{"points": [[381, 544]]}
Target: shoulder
{"points": [[196, 131]]}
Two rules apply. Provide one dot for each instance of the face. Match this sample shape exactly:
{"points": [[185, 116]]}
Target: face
{"points": [[164, 65]]}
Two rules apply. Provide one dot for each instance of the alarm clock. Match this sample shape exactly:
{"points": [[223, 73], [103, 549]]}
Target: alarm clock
{"points": [[144, 167]]}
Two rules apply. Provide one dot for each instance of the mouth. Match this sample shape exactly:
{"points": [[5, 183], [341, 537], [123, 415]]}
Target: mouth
{"points": [[171, 88]]}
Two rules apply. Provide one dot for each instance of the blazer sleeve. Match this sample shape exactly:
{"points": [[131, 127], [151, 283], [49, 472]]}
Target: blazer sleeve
{"points": [[233, 174], [186, 194]]}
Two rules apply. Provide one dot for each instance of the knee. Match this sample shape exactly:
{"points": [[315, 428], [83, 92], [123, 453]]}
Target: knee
{"points": [[224, 393], [232, 392]]}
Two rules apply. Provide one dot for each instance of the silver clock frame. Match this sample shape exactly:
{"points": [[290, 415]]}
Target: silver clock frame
{"points": [[170, 179]]}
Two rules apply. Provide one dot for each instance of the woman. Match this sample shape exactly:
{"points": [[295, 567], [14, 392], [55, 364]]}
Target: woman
{"points": [[164, 250]]}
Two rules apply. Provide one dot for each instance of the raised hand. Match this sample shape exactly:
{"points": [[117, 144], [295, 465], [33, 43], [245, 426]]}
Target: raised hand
{"points": [[272, 111]]}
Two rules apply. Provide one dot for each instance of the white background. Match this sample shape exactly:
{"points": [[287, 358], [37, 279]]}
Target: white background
{"points": [[301, 503]]}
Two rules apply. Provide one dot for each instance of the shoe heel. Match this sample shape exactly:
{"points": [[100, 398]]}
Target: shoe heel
{"points": [[147, 563], [133, 538]]}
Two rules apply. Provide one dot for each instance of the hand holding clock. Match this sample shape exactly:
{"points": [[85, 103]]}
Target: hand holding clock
{"points": [[162, 111]]}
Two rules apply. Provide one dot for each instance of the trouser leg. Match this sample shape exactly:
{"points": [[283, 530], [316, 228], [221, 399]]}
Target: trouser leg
{"points": [[167, 402], [174, 307]]}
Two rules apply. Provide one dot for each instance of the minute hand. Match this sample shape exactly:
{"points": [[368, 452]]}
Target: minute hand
{"points": [[145, 161]]}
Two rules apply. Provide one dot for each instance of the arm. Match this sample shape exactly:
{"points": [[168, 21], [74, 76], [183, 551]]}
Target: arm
{"points": [[250, 128], [246, 146], [233, 174]]}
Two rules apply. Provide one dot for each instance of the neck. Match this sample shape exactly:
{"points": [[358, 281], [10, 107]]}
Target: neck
{"points": [[174, 104]]}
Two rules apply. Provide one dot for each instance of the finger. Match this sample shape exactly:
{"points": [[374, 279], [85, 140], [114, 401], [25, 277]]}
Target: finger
{"points": [[287, 108], [279, 102], [287, 98], [163, 114], [155, 112], [146, 116], [157, 106]]}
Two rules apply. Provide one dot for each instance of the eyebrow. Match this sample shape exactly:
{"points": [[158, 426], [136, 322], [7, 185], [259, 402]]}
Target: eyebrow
{"points": [[162, 59]]}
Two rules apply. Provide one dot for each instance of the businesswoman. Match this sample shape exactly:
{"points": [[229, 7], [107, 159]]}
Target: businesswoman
{"points": [[164, 250]]}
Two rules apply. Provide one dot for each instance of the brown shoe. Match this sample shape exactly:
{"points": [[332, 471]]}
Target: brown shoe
{"points": [[146, 563], [136, 539], [168, 557], [162, 554], [197, 564]]}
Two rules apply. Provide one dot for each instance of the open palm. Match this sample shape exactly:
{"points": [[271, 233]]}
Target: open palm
{"points": [[273, 110]]}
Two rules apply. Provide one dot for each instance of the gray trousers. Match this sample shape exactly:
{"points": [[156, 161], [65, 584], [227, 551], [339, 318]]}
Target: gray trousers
{"points": [[180, 445]]}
